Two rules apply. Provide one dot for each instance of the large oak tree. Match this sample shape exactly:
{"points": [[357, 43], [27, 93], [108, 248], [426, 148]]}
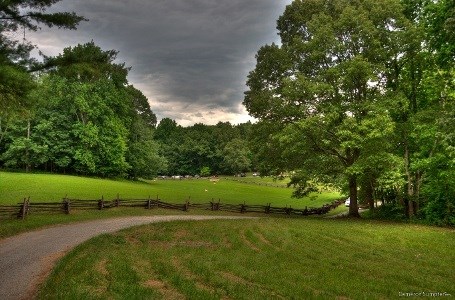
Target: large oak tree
{"points": [[326, 83]]}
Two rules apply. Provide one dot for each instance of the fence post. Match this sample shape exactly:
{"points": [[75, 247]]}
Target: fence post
{"points": [[288, 210], [101, 203], [117, 201], [149, 203], [24, 209], [187, 205], [66, 205], [242, 208]]}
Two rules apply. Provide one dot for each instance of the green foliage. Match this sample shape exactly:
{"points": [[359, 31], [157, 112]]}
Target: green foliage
{"points": [[439, 22], [143, 152], [24, 152], [363, 93], [205, 172], [87, 120], [15, 82], [97, 133], [89, 63], [440, 208], [188, 150], [325, 83], [30, 13], [236, 156], [141, 106]]}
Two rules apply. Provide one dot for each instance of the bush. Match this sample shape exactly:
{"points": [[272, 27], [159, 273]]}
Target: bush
{"points": [[440, 210], [205, 171], [392, 212], [440, 195]]}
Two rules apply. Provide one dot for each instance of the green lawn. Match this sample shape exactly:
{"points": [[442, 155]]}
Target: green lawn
{"points": [[268, 180], [269, 258], [50, 188]]}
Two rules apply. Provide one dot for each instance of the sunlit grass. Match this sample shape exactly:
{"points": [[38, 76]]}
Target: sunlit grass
{"points": [[259, 259], [53, 188]]}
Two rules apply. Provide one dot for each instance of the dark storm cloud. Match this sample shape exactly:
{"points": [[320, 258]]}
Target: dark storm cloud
{"points": [[189, 57]]}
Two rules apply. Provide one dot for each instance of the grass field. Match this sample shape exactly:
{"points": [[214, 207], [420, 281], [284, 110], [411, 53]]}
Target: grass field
{"points": [[259, 259], [269, 180], [51, 188]]}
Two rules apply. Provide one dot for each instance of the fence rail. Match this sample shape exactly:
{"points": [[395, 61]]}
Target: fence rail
{"points": [[21, 210]]}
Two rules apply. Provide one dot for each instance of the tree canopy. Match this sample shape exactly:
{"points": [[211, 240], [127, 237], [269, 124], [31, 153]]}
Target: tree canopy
{"points": [[85, 119], [353, 86]]}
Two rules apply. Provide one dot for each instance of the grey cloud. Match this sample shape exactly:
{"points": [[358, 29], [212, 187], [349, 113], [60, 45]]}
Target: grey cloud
{"points": [[185, 54]]}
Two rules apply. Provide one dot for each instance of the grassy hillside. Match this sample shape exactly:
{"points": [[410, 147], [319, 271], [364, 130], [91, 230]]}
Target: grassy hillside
{"points": [[259, 259], [50, 188]]}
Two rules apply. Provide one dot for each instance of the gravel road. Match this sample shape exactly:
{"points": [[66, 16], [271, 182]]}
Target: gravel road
{"points": [[27, 259]]}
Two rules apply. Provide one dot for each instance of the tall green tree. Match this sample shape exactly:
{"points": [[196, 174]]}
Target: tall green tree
{"points": [[420, 77], [143, 151], [327, 82], [15, 62], [236, 156], [88, 63], [98, 135], [89, 119]]}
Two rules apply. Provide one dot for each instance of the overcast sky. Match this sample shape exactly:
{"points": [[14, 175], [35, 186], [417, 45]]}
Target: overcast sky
{"points": [[189, 57]]}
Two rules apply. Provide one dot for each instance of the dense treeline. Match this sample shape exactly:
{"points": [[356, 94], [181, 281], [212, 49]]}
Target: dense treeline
{"points": [[72, 113], [83, 118], [203, 149], [361, 93]]}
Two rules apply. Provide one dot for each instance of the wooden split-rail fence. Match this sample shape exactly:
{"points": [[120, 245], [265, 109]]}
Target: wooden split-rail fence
{"points": [[21, 210]]}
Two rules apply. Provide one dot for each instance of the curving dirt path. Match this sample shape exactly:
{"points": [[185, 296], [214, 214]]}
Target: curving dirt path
{"points": [[27, 259]]}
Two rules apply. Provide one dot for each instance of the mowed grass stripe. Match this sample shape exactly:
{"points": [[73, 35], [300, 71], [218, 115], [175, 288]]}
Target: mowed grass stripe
{"points": [[257, 259]]}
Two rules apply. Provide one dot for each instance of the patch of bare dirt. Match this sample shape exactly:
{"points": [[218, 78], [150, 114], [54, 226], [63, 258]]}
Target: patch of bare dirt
{"points": [[239, 280], [190, 244], [236, 279], [181, 233], [265, 241], [248, 243], [133, 240], [200, 284], [101, 267], [164, 289]]}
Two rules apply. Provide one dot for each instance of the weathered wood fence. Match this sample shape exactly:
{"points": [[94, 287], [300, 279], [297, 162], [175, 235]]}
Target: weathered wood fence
{"points": [[21, 210]]}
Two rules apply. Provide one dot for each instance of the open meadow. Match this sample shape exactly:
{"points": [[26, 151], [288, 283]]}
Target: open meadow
{"points": [[53, 188]]}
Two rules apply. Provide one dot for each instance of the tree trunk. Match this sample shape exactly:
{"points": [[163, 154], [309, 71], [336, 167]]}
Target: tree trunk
{"points": [[27, 154], [353, 207], [369, 194], [410, 211]]}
